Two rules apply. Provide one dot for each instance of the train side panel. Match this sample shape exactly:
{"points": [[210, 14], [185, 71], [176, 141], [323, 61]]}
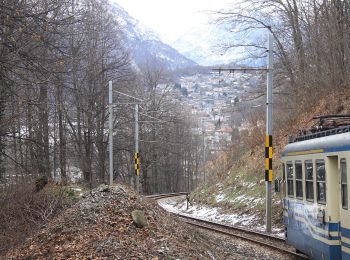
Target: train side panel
{"points": [[305, 232], [313, 227]]}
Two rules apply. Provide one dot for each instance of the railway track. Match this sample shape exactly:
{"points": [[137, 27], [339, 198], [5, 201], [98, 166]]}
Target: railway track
{"points": [[260, 238], [166, 195]]}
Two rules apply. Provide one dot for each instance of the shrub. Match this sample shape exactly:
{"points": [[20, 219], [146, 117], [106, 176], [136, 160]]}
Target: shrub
{"points": [[24, 210]]}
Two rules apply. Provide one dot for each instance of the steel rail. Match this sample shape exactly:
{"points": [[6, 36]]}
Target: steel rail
{"points": [[204, 224], [278, 247], [165, 195], [238, 228]]}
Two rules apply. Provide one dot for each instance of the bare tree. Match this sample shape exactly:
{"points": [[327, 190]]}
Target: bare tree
{"points": [[310, 39]]}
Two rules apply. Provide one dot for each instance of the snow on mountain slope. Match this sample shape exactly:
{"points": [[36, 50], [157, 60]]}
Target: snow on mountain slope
{"points": [[205, 44], [144, 43]]}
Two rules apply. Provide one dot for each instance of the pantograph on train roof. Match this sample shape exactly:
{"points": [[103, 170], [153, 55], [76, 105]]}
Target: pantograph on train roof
{"points": [[325, 125]]}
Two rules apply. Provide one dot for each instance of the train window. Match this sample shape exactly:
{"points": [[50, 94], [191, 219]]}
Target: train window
{"points": [[290, 181], [309, 180], [344, 184], [298, 180], [321, 181]]}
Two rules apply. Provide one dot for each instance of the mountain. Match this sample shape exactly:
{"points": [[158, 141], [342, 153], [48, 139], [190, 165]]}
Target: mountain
{"points": [[205, 44], [145, 44]]}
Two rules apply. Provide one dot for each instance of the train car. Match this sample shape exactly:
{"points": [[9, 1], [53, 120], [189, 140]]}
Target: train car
{"points": [[316, 210]]}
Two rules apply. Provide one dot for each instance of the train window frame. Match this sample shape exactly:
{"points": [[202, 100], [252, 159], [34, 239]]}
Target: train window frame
{"points": [[299, 179], [290, 192], [318, 182], [309, 181], [343, 184]]}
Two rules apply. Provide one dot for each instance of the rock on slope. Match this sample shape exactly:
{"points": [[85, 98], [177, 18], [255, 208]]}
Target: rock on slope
{"points": [[100, 226]]}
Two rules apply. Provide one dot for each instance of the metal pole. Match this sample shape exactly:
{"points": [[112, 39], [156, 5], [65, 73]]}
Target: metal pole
{"points": [[137, 146], [110, 96], [204, 159], [268, 140]]}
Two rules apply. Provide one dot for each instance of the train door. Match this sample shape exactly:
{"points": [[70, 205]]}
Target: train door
{"points": [[344, 207], [327, 193]]}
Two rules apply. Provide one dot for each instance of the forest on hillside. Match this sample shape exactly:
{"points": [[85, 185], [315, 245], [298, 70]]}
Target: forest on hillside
{"points": [[56, 59], [311, 54]]}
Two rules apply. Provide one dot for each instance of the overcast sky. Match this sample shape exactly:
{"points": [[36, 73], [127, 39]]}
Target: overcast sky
{"points": [[171, 18]]}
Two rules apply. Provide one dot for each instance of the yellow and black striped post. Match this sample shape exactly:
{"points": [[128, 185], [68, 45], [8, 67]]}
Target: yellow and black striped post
{"points": [[137, 164], [268, 141], [268, 158]]}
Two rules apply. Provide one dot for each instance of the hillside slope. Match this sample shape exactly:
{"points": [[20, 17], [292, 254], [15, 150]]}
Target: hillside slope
{"points": [[100, 225], [237, 177]]}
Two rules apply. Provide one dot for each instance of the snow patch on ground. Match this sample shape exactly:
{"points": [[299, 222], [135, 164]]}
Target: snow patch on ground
{"points": [[214, 214], [219, 185], [249, 185], [220, 197], [249, 200], [205, 212]]}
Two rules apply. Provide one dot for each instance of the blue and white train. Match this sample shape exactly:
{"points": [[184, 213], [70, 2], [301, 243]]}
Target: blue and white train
{"points": [[316, 211]]}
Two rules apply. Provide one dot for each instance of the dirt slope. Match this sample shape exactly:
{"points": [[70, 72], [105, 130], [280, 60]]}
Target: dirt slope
{"points": [[100, 226]]}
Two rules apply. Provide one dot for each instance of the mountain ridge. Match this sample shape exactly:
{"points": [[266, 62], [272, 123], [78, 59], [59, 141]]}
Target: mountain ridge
{"points": [[211, 44], [144, 44]]}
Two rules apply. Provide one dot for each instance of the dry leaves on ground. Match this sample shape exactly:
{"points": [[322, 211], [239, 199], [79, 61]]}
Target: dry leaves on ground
{"points": [[100, 226]]}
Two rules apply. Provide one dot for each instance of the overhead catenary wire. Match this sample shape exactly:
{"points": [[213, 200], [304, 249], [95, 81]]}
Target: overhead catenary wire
{"points": [[154, 141], [127, 95], [157, 119]]}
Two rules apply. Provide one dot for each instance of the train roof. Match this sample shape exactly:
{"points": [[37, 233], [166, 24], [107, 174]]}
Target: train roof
{"points": [[326, 144]]}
